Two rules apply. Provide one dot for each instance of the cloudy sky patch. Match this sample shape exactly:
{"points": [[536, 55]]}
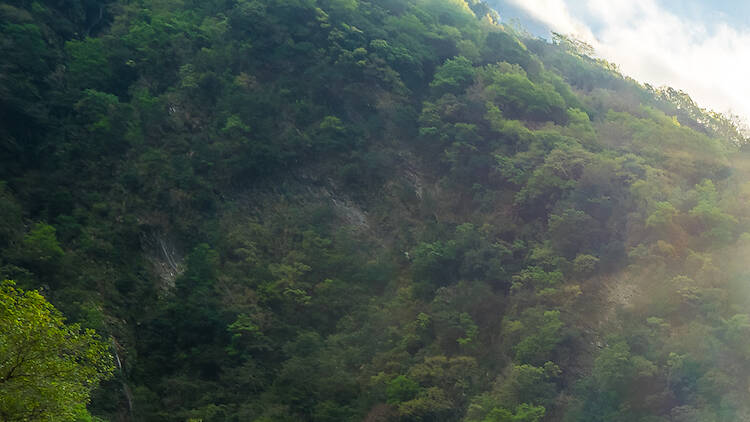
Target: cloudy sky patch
{"points": [[701, 47]]}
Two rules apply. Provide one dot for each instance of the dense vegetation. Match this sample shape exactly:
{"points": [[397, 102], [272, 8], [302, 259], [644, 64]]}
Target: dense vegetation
{"points": [[47, 368], [344, 210]]}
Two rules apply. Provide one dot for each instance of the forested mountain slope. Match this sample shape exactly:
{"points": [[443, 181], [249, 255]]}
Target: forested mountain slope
{"points": [[391, 210]]}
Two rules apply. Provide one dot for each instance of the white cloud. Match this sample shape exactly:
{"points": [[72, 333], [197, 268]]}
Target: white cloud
{"points": [[555, 14], [710, 61]]}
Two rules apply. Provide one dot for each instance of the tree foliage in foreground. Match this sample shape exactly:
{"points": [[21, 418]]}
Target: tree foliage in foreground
{"points": [[47, 367]]}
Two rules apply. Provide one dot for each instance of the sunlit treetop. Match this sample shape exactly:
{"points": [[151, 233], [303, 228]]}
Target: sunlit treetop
{"points": [[47, 367]]}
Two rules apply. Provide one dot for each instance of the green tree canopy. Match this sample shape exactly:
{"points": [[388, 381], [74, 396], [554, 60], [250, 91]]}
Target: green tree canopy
{"points": [[47, 368]]}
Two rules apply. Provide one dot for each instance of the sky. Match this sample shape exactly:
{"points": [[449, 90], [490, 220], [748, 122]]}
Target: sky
{"points": [[699, 46]]}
